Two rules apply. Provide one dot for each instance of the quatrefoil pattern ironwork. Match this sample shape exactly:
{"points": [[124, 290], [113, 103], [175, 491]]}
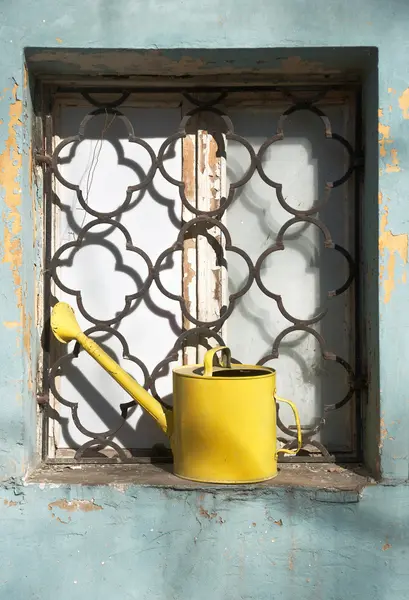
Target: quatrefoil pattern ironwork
{"points": [[205, 333]]}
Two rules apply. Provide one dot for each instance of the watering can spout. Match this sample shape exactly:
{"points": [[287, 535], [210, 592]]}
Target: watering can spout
{"points": [[65, 328]]}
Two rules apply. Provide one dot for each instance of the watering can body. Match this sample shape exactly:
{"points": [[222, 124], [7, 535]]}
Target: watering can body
{"points": [[222, 427]]}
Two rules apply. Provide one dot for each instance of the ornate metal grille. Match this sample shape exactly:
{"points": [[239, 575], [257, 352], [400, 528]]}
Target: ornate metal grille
{"points": [[195, 221]]}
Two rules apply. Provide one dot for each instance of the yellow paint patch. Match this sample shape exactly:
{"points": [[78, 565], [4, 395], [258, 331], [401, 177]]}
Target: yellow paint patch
{"points": [[10, 166], [385, 133], [384, 141], [394, 166], [380, 113], [396, 246], [404, 103], [12, 324]]}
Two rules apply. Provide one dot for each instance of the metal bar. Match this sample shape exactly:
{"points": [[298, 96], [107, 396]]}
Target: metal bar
{"points": [[213, 85], [359, 320]]}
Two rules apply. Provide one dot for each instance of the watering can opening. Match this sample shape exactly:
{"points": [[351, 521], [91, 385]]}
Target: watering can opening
{"points": [[236, 372]]}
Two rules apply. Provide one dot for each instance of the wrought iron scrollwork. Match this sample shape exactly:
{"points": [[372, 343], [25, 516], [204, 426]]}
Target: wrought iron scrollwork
{"points": [[205, 219]]}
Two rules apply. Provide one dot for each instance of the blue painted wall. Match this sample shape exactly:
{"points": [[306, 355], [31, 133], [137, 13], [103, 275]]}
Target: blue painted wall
{"points": [[144, 542]]}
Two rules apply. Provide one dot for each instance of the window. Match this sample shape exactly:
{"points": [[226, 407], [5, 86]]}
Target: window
{"points": [[177, 219]]}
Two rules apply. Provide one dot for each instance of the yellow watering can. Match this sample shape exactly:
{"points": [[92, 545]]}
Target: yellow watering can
{"points": [[222, 427]]}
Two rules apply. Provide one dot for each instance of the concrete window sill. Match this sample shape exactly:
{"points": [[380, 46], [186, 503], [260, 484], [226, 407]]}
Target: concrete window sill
{"points": [[327, 479]]}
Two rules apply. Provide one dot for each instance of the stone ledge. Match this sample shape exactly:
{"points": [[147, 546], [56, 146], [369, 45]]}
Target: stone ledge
{"points": [[324, 480]]}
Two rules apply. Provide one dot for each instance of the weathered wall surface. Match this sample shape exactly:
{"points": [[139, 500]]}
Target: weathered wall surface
{"points": [[151, 543], [146, 543]]}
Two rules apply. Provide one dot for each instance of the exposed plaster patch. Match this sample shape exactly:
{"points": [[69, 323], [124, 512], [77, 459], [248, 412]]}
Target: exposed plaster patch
{"points": [[386, 546], [394, 245], [210, 515], [74, 505], [391, 91], [9, 503], [404, 103], [291, 557], [58, 40], [71, 506]]}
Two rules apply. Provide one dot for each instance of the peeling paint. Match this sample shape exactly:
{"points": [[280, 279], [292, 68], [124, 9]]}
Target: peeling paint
{"points": [[27, 321], [10, 166], [384, 433], [394, 166], [189, 244], [10, 170], [71, 506], [10, 503], [189, 286], [210, 516], [404, 103], [12, 324], [25, 75], [385, 133], [384, 141], [394, 245]]}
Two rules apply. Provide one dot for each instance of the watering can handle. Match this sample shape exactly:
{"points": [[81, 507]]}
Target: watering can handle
{"points": [[297, 421], [208, 359]]}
